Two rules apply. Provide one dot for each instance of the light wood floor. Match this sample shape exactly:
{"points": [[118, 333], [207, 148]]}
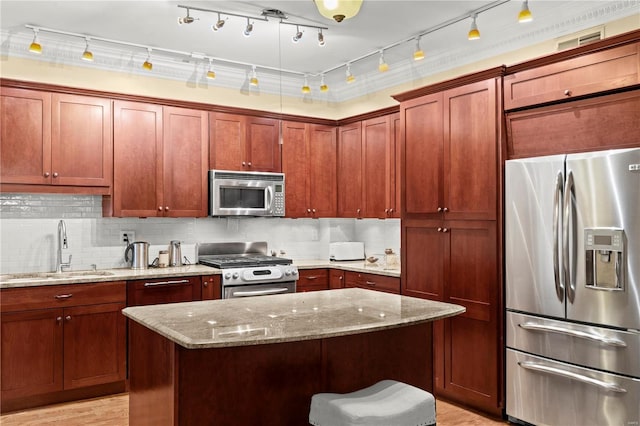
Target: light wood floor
{"points": [[114, 411]]}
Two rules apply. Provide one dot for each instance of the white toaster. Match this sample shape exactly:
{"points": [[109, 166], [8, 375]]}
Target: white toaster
{"points": [[346, 251]]}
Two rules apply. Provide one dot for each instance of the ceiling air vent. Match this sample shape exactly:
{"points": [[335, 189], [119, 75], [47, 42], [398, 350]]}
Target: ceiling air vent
{"points": [[580, 40]]}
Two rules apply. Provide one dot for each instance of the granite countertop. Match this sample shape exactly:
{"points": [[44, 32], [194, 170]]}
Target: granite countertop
{"points": [[286, 317], [122, 274]]}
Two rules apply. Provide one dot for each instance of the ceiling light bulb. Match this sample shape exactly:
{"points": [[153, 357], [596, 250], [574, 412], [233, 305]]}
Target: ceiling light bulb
{"points": [[211, 74], [418, 55], [147, 65], [350, 77], [248, 29], [320, 38], [35, 46], [87, 55], [338, 10], [297, 36], [305, 88], [254, 78], [219, 24], [474, 33], [525, 14], [323, 85], [382, 65]]}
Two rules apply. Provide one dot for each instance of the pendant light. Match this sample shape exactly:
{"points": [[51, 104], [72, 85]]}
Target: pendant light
{"points": [[338, 10], [525, 14], [382, 65], [323, 85], [253, 81], [418, 54], [305, 88], [35, 46], [211, 74], [350, 77], [474, 33], [87, 55], [147, 65]]}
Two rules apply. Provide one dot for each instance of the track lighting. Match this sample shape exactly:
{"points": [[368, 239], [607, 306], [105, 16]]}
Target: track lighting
{"points": [[254, 77], [418, 54], [147, 65], [219, 24], [296, 38], [248, 29], [474, 33], [87, 55], [350, 77], [525, 14], [35, 46], [320, 37], [323, 85], [185, 20], [305, 88], [382, 65], [211, 74]]}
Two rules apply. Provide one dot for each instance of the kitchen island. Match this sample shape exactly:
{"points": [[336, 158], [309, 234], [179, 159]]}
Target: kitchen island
{"points": [[259, 360]]}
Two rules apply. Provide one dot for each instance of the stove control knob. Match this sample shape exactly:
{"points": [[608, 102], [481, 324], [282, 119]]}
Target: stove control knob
{"points": [[287, 272], [294, 272], [236, 275], [227, 276]]}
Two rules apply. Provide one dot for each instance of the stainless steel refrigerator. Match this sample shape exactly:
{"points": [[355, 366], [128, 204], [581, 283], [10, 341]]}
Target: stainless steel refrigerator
{"points": [[572, 253]]}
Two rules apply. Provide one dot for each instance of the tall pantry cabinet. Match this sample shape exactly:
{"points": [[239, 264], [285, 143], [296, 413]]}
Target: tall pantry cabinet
{"points": [[451, 155]]}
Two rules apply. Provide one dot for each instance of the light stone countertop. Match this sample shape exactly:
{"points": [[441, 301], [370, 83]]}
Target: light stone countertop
{"points": [[286, 317], [32, 279]]}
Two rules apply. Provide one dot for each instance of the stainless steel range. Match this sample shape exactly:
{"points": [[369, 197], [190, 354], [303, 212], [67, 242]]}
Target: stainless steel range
{"points": [[248, 270]]}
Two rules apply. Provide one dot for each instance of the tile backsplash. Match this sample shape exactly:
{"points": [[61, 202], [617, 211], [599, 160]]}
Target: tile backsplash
{"points": [[29, 223]]}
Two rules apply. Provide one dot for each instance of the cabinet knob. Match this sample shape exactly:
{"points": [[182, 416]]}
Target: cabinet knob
{"points": [[55, 174], [47, 174], [68, 318], [249, 163], [386, 211], [313, 210], [390, 210], [439, 209], [341, 278], [244, 163], [206, 284], [439, 229], [445, 209], [59, 320], [159, 208], [308, 210], [567, 92], [166, 209], [445, 230], [358, 211]]}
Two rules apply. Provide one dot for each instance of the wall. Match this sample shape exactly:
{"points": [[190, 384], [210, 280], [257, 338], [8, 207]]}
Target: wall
{"points": [[29, 223]]}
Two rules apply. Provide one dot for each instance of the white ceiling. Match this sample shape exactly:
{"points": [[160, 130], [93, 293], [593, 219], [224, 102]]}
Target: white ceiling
{"points": [[379, 24]]}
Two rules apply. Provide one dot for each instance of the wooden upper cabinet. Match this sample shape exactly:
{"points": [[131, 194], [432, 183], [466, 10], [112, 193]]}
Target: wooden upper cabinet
{"points": [[350, 168], [309, 165], [584, 75], [55, 139], [244, 143], [161, 161]]}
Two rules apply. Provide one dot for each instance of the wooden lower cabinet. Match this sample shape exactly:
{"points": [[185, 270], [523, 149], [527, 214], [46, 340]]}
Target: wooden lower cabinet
{"points": [[211, 287], [336, 278], [63, 347], [372, 282], [312, 280]]}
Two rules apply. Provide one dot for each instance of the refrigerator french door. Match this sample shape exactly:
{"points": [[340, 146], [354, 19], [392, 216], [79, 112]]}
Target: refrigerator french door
{"points": [[572, 288]]}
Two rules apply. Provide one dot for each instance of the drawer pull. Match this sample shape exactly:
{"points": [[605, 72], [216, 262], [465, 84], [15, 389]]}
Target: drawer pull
{"points": [[371, 283], [64, 296], [611, 341], [613, 387], [312, 277], [165, 283]]}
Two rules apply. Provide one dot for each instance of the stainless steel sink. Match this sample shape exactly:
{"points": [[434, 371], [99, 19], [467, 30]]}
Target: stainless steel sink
{"points": [[36, 276]]}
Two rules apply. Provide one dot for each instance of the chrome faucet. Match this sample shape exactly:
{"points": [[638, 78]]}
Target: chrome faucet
{"points": [[62, 243]]}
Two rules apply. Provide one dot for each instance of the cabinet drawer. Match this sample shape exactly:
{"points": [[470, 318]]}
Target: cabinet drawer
{"points": [[163, 290], [597, 72], [312, 279], [52, 296], [372, 282]]}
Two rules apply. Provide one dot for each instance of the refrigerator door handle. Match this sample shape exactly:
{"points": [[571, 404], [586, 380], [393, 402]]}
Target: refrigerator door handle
{"points": [[613, 387], [567, 223], [557, 211], [611, 341]]}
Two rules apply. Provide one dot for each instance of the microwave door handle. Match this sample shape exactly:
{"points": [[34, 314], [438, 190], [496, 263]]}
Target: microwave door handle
{"points": [[269, 195], [557, 212]]}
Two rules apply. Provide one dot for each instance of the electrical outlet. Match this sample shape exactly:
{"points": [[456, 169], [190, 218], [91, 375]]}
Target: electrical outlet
{"points": [[127, 237]]}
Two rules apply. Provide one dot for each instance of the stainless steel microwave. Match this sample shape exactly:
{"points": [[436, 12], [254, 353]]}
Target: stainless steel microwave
{"points": [[233, 193]]}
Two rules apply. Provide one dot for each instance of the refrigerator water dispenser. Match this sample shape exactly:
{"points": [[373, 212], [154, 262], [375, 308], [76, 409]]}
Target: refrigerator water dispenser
{"points": [[605, 256]]}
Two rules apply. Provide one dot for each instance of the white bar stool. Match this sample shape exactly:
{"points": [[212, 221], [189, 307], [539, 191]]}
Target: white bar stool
{"points": [[387, 403]]}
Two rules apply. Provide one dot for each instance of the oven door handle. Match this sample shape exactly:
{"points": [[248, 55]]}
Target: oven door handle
{"points": [[259, 292]]}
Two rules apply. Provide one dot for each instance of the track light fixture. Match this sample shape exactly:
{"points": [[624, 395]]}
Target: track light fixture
{"points": [[525, 14], [323, 85], [320, 38], [87, 55], [254, 77], [35, 46], [211, 74], [186, 19], [418, 54], [248, 29], [474, 33], [382, 65], [296, 38], [147, 65], [350, 77], [219, 24], [305, 88]]}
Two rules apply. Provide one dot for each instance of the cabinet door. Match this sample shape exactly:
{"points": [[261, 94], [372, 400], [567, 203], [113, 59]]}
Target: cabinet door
{"points": [[262, 152], [471, 157], [185, 162], [336, 278], [81, 142], [350, 171], [25, 142], [322, 159], [137, 175], [422, 154], [94, 345], [423, 256], [211, 287], [376, 173], [295, 165], [31, 352], [226, 141]]}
